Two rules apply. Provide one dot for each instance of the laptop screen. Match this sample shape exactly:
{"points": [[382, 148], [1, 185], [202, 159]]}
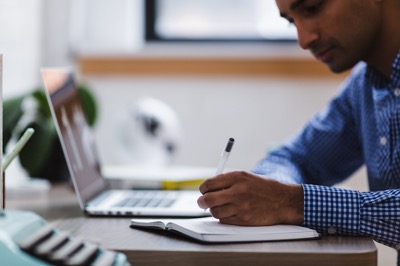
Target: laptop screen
{"points": [[76, 137]]}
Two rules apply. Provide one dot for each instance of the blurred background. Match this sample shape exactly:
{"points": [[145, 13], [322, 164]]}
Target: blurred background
{"points": [[216, 66], [226, 68]]}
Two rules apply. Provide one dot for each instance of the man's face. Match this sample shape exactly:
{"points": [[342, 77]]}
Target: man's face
{"points": [[339, 33]]}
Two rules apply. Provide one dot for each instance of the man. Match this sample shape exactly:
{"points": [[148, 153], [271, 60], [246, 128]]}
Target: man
{"points": [[360, 126]]}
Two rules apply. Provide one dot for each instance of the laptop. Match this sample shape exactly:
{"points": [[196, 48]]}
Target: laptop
{"points": [[92, 189]]}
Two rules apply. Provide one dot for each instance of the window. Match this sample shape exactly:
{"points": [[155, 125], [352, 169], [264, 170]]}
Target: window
{"points": [[205, 20]]}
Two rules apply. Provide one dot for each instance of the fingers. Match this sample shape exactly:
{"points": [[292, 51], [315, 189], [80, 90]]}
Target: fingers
{"points": [[216, 191], [217, 211], [202, 203], [213, 199], [222, 181], [232, 220], [219, 182], [227, 211]]}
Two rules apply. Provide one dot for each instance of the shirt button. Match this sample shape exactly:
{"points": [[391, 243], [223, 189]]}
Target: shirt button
{"points": [[331, 230], [383, 141], [397, 92]]}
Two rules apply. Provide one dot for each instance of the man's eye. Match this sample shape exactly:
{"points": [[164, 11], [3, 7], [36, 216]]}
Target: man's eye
{"points": [[314, 8], [290, 20]]}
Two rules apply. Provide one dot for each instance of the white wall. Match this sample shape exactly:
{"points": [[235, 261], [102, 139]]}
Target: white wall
{"points": [[258, 112], [72, 27], [56, 23], [20, 44]]}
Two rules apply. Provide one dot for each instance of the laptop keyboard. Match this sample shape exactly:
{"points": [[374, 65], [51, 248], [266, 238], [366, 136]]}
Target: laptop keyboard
{"points": [[154, 199]]}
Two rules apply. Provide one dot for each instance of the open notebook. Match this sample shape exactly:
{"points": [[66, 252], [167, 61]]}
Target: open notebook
{"points": [[79, 147], [210, 229]]}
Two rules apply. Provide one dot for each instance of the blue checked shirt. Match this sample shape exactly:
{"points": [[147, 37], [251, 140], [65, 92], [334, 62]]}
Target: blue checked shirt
{"points": [[361, 125]]}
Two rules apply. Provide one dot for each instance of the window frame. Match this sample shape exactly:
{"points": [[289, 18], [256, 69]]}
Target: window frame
{"points": [[150, 34]]}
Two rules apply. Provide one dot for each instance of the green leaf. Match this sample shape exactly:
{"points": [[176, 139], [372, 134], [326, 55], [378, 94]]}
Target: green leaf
{"points": [[12, 112], [40, 150], [88, 104], [43, 105], [37, 150]]}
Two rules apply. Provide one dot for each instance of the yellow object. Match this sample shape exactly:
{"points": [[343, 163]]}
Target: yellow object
{"points": [[182, 184]]}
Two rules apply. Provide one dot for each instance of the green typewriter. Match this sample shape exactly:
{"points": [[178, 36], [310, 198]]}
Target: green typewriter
{"points": [[27, 239]]}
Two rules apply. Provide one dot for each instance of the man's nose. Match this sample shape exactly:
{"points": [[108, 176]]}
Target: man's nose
{"points": [[307, 34]]}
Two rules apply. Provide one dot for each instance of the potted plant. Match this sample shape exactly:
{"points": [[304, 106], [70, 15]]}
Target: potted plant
{"points": [[42, 156]]}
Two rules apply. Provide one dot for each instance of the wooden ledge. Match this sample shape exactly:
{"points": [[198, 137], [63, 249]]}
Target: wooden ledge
{"points": [[297, 67]]}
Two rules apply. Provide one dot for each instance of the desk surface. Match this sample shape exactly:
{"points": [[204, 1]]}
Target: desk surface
{"points": [[153, 247]]}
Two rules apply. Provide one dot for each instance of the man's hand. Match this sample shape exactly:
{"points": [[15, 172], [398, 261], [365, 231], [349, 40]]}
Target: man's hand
{"points": [[242, 198]]}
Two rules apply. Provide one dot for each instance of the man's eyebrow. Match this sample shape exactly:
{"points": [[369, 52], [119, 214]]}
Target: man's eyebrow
{"points": [[296, 4], [293, 7]]}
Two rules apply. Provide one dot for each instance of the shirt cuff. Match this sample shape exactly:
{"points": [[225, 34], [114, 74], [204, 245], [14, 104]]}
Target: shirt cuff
{"points": [[332, 210]]}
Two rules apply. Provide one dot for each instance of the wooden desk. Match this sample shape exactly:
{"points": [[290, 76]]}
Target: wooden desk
{"points": [[155, 248]]}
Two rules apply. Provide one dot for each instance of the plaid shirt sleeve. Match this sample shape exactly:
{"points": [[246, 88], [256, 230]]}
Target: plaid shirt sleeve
{"points": [[359, 126], [334, 211]]}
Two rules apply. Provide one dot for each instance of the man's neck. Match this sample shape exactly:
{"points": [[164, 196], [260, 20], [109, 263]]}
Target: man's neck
{"points": [[388, 45]]}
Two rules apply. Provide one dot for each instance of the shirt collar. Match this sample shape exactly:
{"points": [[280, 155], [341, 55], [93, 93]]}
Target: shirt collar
{"points": [[396, 71], [380, 81]]}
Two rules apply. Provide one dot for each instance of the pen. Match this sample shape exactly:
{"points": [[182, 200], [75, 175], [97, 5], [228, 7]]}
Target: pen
{"points": [[224, 158], [8, 159], [225, 155]]}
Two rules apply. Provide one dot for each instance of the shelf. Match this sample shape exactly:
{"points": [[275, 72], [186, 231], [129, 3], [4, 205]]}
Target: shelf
{"points": [[209, 60]]}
